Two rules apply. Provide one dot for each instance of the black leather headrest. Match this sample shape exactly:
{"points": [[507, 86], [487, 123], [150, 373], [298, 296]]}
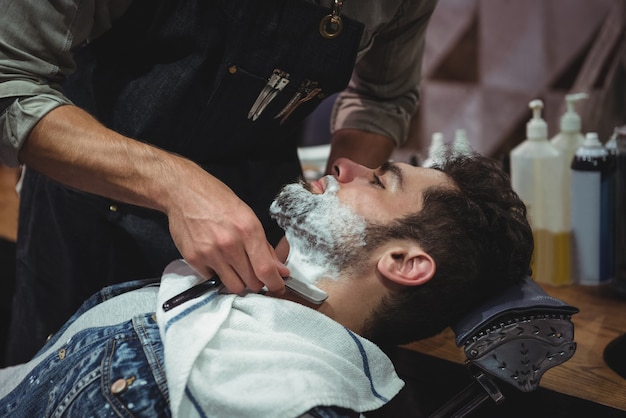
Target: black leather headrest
{"points": [[524, 297]]}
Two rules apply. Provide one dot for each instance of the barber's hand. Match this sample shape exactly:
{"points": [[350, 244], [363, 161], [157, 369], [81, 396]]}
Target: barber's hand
{"points": [[212, 228], [215, 231]]}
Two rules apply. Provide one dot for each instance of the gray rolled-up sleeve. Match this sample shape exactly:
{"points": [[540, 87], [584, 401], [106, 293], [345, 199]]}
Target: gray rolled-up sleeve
{"points": [[19, 118], [37, 41], [383, 93]]}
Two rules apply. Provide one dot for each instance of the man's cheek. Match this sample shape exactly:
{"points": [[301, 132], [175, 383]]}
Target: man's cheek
{"points": [[359, 204]]}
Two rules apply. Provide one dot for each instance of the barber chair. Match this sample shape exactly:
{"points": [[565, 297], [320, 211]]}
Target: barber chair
{"points": [[512, 339]]}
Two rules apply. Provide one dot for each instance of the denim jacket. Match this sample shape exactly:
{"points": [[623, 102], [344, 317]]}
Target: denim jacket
{"points": [[112, 371]]}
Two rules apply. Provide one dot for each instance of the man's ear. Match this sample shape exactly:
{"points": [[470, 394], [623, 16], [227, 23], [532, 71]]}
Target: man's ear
{"points": [[407, 266]]}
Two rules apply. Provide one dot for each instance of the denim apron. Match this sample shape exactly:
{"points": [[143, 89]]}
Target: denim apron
{"points": [[184, 76]]}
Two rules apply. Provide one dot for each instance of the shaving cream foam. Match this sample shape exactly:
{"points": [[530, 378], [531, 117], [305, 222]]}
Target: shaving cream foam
{"points": [[323, 233]]}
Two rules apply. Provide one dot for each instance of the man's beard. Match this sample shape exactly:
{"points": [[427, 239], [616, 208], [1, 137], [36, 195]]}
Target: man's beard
{"points": [[325, 234]]}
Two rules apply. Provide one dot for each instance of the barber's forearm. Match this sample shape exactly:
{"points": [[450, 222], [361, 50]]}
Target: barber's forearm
{"points": [[215, 232], [70, 146], [366, 148]]}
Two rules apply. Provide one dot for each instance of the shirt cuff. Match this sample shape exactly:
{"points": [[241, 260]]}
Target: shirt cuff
{"points": [[19, 119]]}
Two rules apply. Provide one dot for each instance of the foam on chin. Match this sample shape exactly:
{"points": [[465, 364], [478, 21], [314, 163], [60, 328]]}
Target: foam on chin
{"points": [[301, 268], [320, 230]]}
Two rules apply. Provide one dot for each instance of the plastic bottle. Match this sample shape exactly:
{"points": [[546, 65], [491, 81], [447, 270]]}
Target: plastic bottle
{"points": [[536, 178], [570, 136], [567, 141], [619, 282], [611, 144], [613, 195], [460, 145], [436, 150], [592, 212]]}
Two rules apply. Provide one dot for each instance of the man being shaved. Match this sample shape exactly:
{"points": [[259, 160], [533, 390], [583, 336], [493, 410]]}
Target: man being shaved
{"points": [[400, 251]]}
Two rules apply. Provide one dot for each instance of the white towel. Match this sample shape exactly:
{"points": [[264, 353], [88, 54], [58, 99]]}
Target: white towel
{"points": [[256, 356]]}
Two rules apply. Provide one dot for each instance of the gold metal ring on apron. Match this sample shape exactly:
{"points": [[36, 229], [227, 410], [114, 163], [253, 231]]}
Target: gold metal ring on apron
{"points": [[331, 25]]}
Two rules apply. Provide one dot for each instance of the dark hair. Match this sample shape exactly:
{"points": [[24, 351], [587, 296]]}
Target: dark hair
{"points": [[481, 241]]}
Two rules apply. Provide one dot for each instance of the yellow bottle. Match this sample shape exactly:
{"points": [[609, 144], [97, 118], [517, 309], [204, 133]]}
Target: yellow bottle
{"points": [[537, 179]]}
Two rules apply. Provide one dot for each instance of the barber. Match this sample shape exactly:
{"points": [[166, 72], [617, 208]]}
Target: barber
{"points": [[152, 130]]}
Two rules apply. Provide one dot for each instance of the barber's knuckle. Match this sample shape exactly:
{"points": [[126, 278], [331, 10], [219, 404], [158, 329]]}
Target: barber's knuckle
{"points": [[265, 270], [226, 242], [234, 285], [249, 228], [194, 258]]}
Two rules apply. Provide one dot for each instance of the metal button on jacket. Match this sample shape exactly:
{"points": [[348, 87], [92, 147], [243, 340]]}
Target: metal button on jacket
{"points": [[119, 386]]}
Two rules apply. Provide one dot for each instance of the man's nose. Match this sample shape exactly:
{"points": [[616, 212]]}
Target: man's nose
{"points": [[345, 170]]}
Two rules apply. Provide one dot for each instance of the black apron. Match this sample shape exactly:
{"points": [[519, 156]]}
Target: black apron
{"points": [[184, 76]]}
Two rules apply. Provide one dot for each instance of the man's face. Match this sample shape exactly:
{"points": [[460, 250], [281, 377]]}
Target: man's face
{"points": [[381, 195], [326, 219]]}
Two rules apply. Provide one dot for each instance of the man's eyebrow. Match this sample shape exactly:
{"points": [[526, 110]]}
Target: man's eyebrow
{"points": [[395, 171]]}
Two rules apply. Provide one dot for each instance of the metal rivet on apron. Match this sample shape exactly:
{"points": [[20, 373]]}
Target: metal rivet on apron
{"points": [[49, 337], [62, 353], [113, 208], [331, 25], [232, 69]]}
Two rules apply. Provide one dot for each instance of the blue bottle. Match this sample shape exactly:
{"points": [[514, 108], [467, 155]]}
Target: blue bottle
{"points": [[592, 212]]}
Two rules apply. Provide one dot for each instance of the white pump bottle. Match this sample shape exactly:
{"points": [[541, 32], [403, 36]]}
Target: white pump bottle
{"points": [[461, 145], [570, 137], [567, 141], [536, 178], [436, 150]]}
